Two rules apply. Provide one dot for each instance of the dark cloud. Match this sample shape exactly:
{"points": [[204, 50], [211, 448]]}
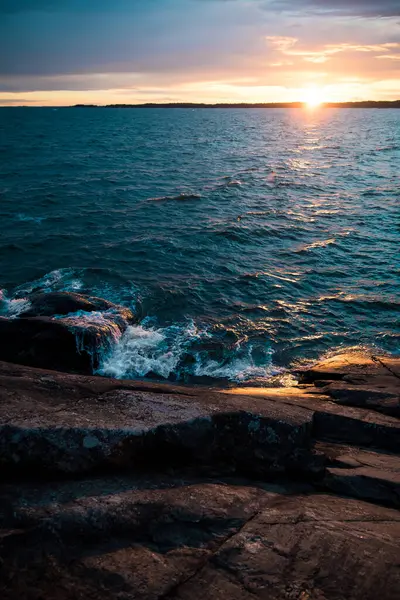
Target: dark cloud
{"points": [[17, 6], [360, 8], [366, 8], [153, 36], [82, 6], [113, 44], [12, 101]]}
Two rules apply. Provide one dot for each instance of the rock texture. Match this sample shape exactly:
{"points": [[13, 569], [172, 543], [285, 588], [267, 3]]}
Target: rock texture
{"points": [[121, 489]]}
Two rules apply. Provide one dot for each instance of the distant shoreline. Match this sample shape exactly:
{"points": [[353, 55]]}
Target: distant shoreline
{"points": [[194, 105], [365, 104]]}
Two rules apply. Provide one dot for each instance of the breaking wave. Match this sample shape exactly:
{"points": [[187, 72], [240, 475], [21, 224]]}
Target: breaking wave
{"points": [[12, 307], [182, 353]]}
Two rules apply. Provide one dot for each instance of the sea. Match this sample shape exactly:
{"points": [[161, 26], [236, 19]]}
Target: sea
{"points": [[248, 242]]}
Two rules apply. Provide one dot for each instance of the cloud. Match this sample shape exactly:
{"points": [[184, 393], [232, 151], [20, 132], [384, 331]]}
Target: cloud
{"points": [[20, 6], [359, 8], [289, 46], [117, 46], [362, 8]]}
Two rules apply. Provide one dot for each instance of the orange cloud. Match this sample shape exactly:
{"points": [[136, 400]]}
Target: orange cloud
{"points": [[288, 47]]}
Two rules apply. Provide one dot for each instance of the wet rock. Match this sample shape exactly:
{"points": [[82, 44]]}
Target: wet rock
{"points": [[65, 303], [42, 342], [75, 342], [69, 344]]}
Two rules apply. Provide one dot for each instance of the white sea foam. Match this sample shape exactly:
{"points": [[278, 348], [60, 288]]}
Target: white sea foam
{"points": [[237, 369], [170, 351], [58, 280], [148, 350], [11, 308]]}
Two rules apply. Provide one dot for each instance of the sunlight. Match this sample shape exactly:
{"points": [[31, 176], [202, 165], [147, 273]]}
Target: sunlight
{"points": [[313, 96]]}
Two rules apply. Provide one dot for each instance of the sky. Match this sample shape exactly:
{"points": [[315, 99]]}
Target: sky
{"points": [[63, 52]]}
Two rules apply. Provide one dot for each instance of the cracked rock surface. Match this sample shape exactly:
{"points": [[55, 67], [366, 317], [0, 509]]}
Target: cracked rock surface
{"points": [[122, 489]]}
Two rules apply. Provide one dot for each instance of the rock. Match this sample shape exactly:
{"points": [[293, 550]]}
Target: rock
{"points": [[42, 342], [69, 344], [384, 399], [365, 482], [305, 548], [65, 303], [360, 426], [361, 473], [123, 489], [79, 429], [179, 538], [76, 342], [351, 365]]}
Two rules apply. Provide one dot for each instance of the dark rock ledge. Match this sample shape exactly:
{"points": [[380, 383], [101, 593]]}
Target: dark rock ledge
{"points": [[127, 490], [63, 331]]}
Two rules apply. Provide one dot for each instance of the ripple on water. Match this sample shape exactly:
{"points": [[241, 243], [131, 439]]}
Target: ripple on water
{"points": [[244, 240]]}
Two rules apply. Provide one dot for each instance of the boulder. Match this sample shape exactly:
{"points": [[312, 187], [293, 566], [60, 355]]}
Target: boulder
{"points": [[65, 303], [75, 342], [69, 344]]}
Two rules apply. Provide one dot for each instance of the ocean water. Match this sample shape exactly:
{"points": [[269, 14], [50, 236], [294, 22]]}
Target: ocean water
{"points": [[247, 241]]}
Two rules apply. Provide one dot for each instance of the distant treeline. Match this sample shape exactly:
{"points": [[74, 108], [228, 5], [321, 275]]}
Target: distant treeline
{"points": [[364, 104]]}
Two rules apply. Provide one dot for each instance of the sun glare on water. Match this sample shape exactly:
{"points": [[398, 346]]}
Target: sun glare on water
{"points": [[313, 97]]}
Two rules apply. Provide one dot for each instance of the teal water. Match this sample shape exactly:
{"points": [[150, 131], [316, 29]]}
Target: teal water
{"points": [[246, 240]]}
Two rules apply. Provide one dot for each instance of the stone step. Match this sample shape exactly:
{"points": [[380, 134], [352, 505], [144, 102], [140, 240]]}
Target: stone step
{"points": [[358, 426], [362, 473]]}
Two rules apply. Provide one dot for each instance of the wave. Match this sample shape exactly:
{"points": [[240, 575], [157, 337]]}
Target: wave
{"points": [[317, 244], [179, 197], [12, 307], [107, 327], [29, 219], [178, 352], [103, 283]]}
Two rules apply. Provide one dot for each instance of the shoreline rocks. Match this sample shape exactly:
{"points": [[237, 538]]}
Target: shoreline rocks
{"points": [[63, 331], [127, 489]]}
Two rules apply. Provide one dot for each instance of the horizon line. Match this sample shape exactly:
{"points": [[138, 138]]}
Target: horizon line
{"points": [[296, 104]]}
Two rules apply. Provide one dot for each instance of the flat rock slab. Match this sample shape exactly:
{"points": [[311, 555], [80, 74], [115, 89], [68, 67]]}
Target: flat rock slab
{"points": [[114, 538], [67, 424], [362, 473], [381, 398], [306, 548], [352, 365], [179, 538]]}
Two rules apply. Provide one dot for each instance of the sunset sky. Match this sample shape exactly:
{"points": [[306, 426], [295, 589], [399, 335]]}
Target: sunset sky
{"points": [[60, 52]]}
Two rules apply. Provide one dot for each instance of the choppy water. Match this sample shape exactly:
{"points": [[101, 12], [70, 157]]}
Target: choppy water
{"points": [[247, 240]]}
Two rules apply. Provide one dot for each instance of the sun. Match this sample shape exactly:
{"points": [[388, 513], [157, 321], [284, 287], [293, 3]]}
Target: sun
{"points": [[313, 96]]}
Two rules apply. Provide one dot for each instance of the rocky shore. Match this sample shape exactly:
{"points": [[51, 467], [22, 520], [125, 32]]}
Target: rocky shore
{"points": [[118, 489], [122, 489]]}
